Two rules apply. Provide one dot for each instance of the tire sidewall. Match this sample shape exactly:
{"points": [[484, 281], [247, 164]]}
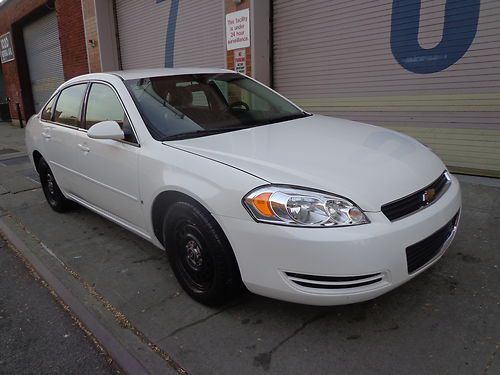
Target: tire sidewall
{"points": [[56, 199], [226, 282]]}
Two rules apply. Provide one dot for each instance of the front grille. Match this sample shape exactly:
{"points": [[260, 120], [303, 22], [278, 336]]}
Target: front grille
{"points": [[421, 253], [333, 282], [414, 202]]}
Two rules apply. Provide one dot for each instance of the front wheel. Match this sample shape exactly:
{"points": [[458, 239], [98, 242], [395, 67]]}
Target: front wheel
{"points": [[57, 201], [200, 254]]}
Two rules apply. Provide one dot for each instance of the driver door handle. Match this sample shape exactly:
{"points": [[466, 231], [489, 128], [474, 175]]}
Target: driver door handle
{"points": [[83, 147]]}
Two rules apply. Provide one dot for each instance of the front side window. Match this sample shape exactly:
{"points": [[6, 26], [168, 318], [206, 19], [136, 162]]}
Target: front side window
{"points": [[104, 105], [48, 109], [69, 105], [192, 105]]}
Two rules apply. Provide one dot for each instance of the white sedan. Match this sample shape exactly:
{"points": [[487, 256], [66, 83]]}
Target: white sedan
{"points": [[242, 187]]}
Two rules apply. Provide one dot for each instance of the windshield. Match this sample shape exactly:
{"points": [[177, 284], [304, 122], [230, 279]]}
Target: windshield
{"points": [[193, 105]]}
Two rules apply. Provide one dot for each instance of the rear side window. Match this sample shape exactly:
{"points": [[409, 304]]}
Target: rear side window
{"points": [[69, 105], [49, 109], [104, 105]]}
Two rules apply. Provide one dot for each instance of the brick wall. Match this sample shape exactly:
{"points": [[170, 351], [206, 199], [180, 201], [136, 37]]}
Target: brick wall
{"points": [[16, 13], [72, 36]]}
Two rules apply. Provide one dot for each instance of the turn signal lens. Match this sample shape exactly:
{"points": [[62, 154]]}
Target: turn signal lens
{"points": [[262, 204], [300, 207]]}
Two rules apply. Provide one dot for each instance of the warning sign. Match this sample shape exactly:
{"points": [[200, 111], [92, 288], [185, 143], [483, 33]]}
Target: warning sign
{"points": [[240, 61], [238, 29]]}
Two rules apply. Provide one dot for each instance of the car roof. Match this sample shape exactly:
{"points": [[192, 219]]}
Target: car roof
{"points": [[146, 73]]}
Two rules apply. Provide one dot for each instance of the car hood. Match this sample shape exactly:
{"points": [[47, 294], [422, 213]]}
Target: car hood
{"points": [[367, 164]]}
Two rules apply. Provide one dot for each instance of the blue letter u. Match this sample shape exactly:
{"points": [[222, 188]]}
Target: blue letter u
{"points": [[460, 26]]}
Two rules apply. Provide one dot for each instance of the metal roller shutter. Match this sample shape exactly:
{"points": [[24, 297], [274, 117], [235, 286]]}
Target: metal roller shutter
{"points": [[43, 52], [340, 58], [195, 29]]}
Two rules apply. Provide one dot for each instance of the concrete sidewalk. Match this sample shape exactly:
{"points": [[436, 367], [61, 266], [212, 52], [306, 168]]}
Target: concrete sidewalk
{"points": [[444, 321]]}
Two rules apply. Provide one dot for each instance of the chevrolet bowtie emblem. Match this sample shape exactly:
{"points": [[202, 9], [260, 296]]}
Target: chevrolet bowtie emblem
{"points": [[429, 195]]}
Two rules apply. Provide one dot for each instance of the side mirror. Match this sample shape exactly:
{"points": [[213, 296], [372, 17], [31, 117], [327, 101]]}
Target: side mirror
{"points": [[106, 130]]}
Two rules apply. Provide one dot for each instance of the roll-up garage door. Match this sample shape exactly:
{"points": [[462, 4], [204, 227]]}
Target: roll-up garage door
{"points": [[43, 52], [429, 68], [156, 34]]}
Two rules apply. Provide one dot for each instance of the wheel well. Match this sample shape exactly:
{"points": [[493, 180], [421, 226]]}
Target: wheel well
{"points": [[36, 158], [161, 204]]}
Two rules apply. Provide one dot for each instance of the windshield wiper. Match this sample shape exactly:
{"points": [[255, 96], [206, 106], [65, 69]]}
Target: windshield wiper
{"points": [[202, 133], [283, 118]]}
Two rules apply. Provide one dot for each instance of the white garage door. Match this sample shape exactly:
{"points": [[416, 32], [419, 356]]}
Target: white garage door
{"points": [[156, 34], [429, 68], [43, 52]]}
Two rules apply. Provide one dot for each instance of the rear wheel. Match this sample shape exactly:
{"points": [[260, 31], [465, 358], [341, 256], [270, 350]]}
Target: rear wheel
{"points": [[57, 201], [200, 255]]}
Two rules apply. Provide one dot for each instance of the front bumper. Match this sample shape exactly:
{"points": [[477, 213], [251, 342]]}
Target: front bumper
{"points": [[272, 258]]}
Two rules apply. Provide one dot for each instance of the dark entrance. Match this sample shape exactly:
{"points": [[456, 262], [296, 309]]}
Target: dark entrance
{"points": [[4, 103]]}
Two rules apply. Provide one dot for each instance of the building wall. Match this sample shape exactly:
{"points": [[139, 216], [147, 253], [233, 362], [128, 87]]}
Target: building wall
{"points": [[16, 13], [72, 34], [91, 34], [428, 68], [10, 13], [347, 59]]}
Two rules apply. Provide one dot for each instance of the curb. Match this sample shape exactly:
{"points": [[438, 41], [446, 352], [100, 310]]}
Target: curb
{"points": [[122, 357]]}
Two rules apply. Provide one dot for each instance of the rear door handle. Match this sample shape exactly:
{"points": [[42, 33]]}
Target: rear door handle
{"points": [[83, 148]]}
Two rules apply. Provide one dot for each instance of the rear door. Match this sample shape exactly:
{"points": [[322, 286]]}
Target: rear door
{"points": [[108, 168], [60, 120]]}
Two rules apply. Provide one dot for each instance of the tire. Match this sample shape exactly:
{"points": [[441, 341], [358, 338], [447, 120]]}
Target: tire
{"points": [[200, 255], [57, 201]]}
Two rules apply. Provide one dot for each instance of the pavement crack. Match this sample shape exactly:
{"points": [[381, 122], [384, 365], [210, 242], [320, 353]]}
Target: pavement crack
{"points": [[25, 190], [491, 359], [199, 321], [143, 260], [264, 359]]}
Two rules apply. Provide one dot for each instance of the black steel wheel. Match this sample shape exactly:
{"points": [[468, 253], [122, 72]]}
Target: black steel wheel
{"points": [[200, 254], [54, 196]]}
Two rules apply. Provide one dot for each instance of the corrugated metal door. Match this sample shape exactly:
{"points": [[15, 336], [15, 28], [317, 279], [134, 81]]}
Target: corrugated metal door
{"points": [[429, 68], [156, 34], [43, 52]]}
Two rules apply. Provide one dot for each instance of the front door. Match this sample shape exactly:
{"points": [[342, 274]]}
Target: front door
{"points": [[109, 169]]}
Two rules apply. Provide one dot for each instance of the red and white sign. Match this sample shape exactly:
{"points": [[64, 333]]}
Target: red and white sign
{"points": [[240, 61], [238, 29]]}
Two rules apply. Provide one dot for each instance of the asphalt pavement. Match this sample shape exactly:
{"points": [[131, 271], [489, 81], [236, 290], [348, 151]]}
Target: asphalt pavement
{"points": [[37, 336]]}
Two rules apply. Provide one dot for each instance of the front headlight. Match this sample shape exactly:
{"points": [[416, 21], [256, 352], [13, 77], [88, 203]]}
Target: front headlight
{"points": [[300, 207]]}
